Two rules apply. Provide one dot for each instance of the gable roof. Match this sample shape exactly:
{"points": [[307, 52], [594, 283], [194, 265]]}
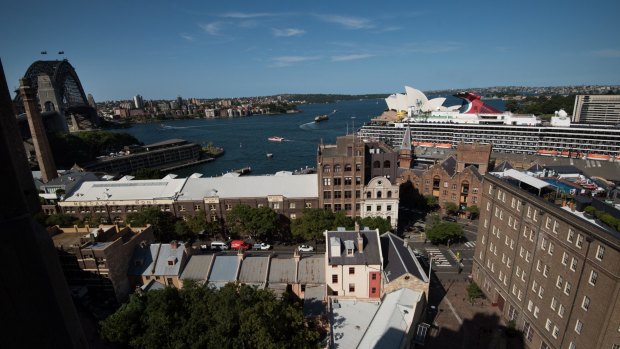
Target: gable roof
{"points": [[224, 270], [449, 165], [197, 267], [157, 260], [254, 270], [282, 270], [311, 270], [503, 166], [399, 259], [371, 253]]}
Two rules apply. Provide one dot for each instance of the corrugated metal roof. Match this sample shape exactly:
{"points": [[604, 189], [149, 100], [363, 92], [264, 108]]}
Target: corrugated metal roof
{"points": [[224, 269], [126, 190], [282, 271], [197, 267], [254, 270], [312, 270]]}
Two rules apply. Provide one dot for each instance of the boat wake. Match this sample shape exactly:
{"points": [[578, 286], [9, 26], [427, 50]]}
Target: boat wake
{"points": [[309, 126], [167, 127]]}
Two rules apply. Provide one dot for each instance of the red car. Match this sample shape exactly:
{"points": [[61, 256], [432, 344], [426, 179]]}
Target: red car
{"points": [[237, 244]]}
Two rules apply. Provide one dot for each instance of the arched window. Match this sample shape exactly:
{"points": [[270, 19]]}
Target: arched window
{"points": [[347, 168], [376, 164], [337, 168], [327, 169], [379, 194], [389, 194], [386, 164], [465, 187], [436, 182], [368, 195]]}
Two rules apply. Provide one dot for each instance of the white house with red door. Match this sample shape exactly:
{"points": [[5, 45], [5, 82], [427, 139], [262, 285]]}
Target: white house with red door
{"points": [[353, 263]]}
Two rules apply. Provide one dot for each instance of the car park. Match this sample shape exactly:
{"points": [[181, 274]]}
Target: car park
{"points": [[261, 246], [305, 248]]}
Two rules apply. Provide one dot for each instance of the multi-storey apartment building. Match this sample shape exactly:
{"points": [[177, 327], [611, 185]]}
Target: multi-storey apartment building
{"points": [[548, 269]]}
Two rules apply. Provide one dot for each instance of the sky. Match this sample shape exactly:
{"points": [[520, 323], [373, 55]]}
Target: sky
{"points": [[224, 49]]}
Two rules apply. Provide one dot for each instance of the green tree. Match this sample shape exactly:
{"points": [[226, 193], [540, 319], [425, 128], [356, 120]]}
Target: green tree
{"points": [[376, 223], [451, 208], [474, 292], [342, 220], [202, 317], [197, 223], [260, 223], [312, 223], [60, 219], [431, 202], [473, 211], [444, 231], [163, 223]]}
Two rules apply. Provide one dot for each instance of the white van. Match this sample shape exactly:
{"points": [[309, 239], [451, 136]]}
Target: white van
{"points": [[219, 245]]}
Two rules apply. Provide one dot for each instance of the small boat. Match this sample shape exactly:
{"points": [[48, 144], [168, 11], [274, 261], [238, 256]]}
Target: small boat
{"points": [[320, 118], [275, 139], [598, 157], [443, 145], [269, 155], [547, 152]]}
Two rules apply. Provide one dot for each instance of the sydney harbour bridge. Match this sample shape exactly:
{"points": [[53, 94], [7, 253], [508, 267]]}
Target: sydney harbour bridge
{"points": [[61, 98]]}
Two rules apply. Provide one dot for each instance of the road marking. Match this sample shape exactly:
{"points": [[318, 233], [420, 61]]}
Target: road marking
{"points": [[470, 244], [438, 257]]}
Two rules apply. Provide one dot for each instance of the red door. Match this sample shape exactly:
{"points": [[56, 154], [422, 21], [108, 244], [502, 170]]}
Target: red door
{"points": [[374, 285]]}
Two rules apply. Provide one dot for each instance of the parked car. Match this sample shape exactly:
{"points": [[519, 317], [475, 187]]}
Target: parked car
{"points": [[305, 248], [219, 245], [237, 244], [449, 219], [261, 246]]}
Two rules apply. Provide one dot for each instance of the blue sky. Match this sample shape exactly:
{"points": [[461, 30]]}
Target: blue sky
{"points": [[161, 49]]}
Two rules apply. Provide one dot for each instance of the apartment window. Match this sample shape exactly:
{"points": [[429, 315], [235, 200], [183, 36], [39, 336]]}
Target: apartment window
{"points": [[327, 194], [529, 212], [534, 286], [512, 312], [579, 241], [519, 294], [528, 332], [334, 278], [559, 282], [337, 207], [546, 271], [483, 239], [368, 208], [527, 256], [228, 207], [567, 287], [514, 289], [564, 258], [543, 243], [538, 264], [512, 244], [548, 223], [540, 292], [181, 208], [351, 287], [196, 208], [550, 249], [571, 235], [544, 345], [327, 182], [276, 205], [530, 305], [593, 277], [389, 208], [578, 326], [585, 303], [548, 325], [337, 194], [518, 205], [521, 252], [518, 271], [347, 207], [293, 216], [373, 276], [488, 206], [291, 205], [600, 252], [555, 332], [554, 303], [212, 207], [561, 311], [536, 311], [351, 270], [573, 264], [571, 345]]}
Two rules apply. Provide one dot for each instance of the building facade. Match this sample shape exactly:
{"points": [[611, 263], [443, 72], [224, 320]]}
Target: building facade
{"points": [[597, 109], [552, 272]]}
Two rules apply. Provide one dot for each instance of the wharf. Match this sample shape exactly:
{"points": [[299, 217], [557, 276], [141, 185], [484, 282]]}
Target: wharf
{"points": [[186, 164]]}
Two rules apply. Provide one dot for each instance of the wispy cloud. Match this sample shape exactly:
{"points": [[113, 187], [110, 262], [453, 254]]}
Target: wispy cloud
{"points": [[347, 22], [288, 32], [352, 57], [243, 15], [188, 37], [287, 61], [211, 28], [613, 53]]}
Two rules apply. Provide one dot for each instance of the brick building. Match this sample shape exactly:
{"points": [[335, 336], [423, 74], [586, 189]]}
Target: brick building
{"points": [[546, 267]]}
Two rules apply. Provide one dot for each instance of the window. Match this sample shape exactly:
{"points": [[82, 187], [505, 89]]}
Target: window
{"points": [[573, 264], [559, 282], [579, 241], [585, 303], [291, 205], [228, 207], [519, 294], [293, 216], [540, 292], [368, 208], [600, 252], [530, 305], [551, 248], [528, 332], [564, 258], [578, 326], [571, 345], [555, 332], [389, 208], [351, 287], [536, 311], [543, 243], [327, 182], [548, 325], [538, 264], [337, 168], [567, 288], [544, 345], [546, 271], [561, 311], [337, 182], [327, 169], [334, 278], [571, 235], [593, 277], [373, 276], [351, 270], [337, 194], [554, 303], [512, 312]]}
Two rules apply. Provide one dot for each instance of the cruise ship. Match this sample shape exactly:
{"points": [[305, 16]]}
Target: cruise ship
{"points": [[435, 125]]}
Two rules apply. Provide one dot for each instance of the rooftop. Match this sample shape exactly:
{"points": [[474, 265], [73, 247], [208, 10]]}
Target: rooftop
{"points": [[370, 254]]}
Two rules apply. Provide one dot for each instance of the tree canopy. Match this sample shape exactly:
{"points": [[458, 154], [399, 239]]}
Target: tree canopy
{"points": [[260, 223], [163, 223], [202, 317], [451, 208], [314, 221], [71, 148], [376, 223], [444, 231]]}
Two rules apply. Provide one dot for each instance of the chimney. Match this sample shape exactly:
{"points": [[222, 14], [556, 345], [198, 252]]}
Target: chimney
{"points": [[296, 256], [173, 244], [240, 255], [37, 130], [357, 228], [360, 241], [405, 242]]}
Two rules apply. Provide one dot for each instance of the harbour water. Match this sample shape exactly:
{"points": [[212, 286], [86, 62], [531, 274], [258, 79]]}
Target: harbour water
{"points": [[245, 139]]}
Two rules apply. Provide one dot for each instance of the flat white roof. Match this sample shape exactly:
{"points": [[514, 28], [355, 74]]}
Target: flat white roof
{"points": [[288, 185], [350, 319], [522, 177], [126, 190]]}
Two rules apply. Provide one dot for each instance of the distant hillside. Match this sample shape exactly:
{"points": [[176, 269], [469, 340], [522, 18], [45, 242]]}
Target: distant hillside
{"points": [[329, 98]]}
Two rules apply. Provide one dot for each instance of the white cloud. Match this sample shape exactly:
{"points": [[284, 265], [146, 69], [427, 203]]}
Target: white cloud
{"points": [[242, 15], [211, 28], [286, 61], [288, 32], [351, 57], [347, 22], [613, 53], [187, 37]]}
